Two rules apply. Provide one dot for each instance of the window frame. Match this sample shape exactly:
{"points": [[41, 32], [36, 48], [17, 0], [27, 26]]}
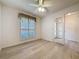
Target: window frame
{"points": [[29, 17]]}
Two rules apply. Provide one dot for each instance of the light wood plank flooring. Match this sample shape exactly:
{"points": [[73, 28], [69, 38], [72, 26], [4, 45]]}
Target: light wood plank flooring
{"points": [[39, 49]]}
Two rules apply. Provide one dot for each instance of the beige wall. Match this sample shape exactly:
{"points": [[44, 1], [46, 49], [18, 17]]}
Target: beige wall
{"points": [[11, 30], [48, 22], [0, 27]]}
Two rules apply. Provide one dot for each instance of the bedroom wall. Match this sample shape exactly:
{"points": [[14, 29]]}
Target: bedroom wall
{"points": [[0, 27], [48, 22], [11, 30]]}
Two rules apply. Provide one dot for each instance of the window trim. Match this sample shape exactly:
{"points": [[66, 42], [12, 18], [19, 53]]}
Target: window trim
{"points": [[29, 17]]}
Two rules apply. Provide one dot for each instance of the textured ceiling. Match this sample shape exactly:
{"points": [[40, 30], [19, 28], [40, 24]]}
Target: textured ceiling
{"points": [[56, 5]]}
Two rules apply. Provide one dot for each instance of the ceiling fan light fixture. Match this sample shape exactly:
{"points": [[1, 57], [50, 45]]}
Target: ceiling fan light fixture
{"points": [[41, 9]]}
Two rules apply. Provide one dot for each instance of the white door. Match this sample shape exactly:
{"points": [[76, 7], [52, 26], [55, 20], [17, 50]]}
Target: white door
{"points": [[72, 27]]}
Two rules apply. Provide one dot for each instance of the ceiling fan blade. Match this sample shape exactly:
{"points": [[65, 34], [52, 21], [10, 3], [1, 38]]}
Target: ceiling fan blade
{"points": [[47, 5], [34, 5]]}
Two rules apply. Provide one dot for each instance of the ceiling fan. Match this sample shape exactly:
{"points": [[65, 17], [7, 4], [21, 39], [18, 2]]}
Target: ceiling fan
{"points": [[41, 7]]}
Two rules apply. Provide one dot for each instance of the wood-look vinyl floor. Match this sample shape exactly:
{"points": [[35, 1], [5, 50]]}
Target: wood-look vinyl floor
{"points": [[39, 49]]}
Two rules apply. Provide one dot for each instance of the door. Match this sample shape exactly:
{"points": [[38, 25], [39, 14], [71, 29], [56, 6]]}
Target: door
{"points": [[72, 27]]}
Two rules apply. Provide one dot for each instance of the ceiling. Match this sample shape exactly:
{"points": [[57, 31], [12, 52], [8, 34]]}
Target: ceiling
{"points": [[56, 5]]}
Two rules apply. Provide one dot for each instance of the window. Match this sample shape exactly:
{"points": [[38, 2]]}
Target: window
{"points": [[27, 26]]}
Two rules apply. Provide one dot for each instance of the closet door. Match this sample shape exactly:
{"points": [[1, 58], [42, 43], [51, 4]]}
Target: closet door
{"points": [[0, 26], [72, 27]]}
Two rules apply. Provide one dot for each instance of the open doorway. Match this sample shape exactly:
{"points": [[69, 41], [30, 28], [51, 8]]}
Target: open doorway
{"points": [[59, 30]]}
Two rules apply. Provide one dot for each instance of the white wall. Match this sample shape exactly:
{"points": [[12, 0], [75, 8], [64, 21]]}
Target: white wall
{"points": [[48, 22], [11, 27]]}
